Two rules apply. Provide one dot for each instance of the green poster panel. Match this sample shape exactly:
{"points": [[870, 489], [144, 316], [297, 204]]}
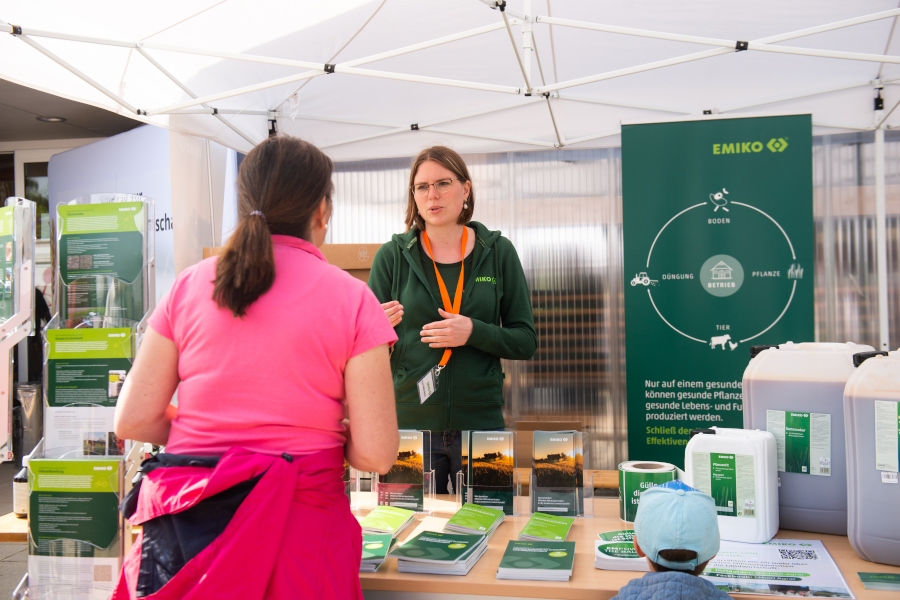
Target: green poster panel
{"points": [[101, 257], [718, 257]]}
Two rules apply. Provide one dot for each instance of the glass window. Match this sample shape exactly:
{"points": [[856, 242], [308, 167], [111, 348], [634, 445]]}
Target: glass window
{"points": [[36, 191], [7, 177]]}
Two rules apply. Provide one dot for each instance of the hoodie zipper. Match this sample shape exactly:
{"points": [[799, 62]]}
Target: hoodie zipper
{"points": [[466, 292]]}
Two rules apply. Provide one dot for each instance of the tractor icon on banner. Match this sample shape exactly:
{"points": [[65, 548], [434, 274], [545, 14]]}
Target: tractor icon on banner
{"points": [[642, 279]]}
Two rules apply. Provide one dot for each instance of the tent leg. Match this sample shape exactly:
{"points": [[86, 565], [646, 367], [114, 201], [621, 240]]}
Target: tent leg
{"points": [[881, 241]]}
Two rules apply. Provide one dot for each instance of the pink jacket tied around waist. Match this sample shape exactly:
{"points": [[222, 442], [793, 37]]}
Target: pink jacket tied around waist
{"points": [[292, 534]]}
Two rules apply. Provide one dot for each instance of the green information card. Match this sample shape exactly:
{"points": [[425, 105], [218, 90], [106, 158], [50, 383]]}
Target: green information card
{"points": [[86, 370], [101, 259], [73, 500]]}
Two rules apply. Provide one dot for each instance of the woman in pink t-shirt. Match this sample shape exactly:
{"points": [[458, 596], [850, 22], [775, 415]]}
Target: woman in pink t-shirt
{"points": [[270, 348]]}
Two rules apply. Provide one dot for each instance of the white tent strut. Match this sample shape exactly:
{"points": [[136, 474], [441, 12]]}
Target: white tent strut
{"points": [[187, 91]]}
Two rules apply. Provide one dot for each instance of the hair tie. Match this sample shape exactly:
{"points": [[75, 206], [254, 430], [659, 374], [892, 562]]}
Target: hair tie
{"points": [[258, 213]]}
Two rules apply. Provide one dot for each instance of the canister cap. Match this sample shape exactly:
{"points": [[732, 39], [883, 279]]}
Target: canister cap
{"points": [[696, 431], [754, 350], [862, 357]]}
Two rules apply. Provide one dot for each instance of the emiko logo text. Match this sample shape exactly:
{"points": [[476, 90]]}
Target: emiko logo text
{"points": [[774, 145]]}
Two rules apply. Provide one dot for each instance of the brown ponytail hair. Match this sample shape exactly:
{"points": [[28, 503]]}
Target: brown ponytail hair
{"points": [[281, 184]]}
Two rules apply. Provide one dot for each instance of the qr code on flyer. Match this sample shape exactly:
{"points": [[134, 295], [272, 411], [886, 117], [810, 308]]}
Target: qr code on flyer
{"points": [[798, 554]]}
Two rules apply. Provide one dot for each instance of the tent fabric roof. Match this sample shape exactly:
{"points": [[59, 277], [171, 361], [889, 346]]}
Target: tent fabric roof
{"points": [[152, 55]]}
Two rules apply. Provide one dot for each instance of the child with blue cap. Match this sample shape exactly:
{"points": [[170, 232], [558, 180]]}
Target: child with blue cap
{"points": [[677, 530]]}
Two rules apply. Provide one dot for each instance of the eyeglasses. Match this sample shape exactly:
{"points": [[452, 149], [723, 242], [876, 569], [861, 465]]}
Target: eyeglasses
{"points": [[441, 187]]}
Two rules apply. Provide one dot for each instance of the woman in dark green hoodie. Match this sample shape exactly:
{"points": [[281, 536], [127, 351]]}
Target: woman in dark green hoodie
{"points": [[488, 319]]}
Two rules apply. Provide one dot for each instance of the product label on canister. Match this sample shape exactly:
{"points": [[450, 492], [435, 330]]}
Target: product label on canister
{"points": [[887, 438], [634, 483], [803, 440], [729, 478]]}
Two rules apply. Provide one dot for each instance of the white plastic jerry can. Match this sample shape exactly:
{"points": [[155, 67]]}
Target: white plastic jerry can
{"points": [[872, 423], [738, 469], [796, 392]]}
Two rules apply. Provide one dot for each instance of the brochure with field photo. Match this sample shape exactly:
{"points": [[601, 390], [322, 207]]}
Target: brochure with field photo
{"points": [[403, 486], [490, 464], [558, 473]]}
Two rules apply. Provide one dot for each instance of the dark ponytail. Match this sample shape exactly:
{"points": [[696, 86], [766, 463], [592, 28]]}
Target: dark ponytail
{"points": [[281, 184]]}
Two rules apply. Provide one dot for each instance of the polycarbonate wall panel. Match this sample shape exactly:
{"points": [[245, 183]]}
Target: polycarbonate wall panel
{"points": [[846, 266], [563, 212], [564, 218]]}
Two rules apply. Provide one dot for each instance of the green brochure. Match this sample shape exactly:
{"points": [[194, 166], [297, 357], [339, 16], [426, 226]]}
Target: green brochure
{"points": [[101, 256], [436, 547], [543, 561], [546, 527], [490, 462], [886, 582], [387, 519], [475, 519], [374, 550], [619, 535], [86, 370], [614, 551], [74, 532]]}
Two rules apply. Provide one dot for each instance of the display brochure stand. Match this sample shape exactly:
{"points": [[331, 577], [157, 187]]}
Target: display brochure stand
{"points": [[558, 484], [77, 538], [488, 477], [410, 482], [105, 277], [16, 300]]}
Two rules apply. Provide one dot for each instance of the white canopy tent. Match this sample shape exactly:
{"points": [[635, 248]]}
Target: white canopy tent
{"points": [[384, 78]]}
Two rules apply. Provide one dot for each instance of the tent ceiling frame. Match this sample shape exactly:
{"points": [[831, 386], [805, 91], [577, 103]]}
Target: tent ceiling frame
{"points": [[766, 42], [187, 91], [349, 67], [426, 125]]}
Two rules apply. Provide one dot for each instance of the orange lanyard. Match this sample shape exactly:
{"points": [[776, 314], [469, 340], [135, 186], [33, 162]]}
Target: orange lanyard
{"points": [[445, 297]]}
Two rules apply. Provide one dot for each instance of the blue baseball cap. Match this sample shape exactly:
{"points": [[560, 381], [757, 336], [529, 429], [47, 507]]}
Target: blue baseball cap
{"points": [[675, 516]]}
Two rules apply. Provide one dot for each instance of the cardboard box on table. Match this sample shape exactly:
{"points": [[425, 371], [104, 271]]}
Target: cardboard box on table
{"points": [[356, 259]]}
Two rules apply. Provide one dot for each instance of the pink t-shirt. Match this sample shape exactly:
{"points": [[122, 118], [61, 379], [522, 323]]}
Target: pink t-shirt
{"points": [[273, 381]]}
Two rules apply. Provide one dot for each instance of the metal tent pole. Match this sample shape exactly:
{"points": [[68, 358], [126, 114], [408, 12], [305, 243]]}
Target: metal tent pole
{"points": [[881, 241], [187, 91]]}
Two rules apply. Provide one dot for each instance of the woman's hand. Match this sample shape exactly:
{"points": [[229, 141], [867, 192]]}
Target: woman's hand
{"points": [[452, 332], [393, 310]]}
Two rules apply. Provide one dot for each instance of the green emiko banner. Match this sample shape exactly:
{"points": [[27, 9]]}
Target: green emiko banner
{"points": [[718, 241]]}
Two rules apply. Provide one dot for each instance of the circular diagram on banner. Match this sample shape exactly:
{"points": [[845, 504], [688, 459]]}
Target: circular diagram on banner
{"points": [[721, 272]]}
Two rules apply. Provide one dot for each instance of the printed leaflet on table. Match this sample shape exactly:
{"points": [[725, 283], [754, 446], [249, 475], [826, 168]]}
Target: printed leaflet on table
{"points": [[777, 568]]}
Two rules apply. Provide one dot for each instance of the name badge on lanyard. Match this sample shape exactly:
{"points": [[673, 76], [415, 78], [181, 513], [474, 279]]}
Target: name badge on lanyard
{"points": [[429, 383]]}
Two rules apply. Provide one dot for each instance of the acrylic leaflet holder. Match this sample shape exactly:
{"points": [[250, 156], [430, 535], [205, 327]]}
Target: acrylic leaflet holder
{"points": [[410, 482], [488, 476], [77, 538], [558, 484], [105, 291], [105, 268]]}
